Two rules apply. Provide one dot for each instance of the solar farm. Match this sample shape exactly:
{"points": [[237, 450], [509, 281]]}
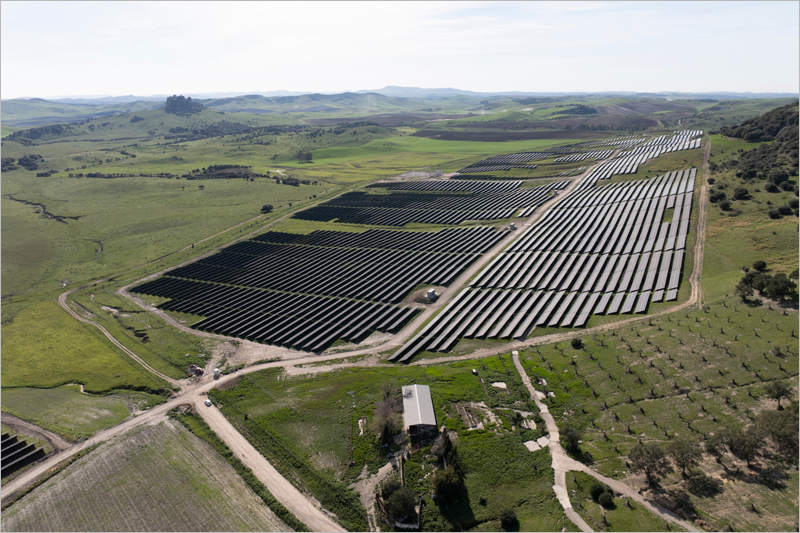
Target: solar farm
{"points": [[601, 250], [433, 202], [307, 291]]}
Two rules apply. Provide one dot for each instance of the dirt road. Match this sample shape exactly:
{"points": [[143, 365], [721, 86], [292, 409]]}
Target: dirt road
{"points": [[305, 511], [562, 464]]}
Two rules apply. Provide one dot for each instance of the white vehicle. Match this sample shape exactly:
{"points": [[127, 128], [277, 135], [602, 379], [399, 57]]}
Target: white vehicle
{"points": [[208, 403]]}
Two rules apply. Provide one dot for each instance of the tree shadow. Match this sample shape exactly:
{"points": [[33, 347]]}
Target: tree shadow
{"points": [[701, 484]]}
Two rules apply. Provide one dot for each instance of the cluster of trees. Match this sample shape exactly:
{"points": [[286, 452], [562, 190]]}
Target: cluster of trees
{"points": [[179, 105], [764, 127], [399, 501], [46, 174], [775, 162], [303, 157], [579, 109], [8, 164], [745, 444], [36, 133], [774, 287], [28, 162], [137, 118], [218, 129]]}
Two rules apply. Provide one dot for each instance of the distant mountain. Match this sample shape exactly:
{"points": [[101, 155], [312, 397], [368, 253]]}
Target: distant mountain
{"points": [[417, 92]]}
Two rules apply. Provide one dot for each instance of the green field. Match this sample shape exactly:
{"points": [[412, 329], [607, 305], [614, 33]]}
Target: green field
{"points": [[72, 414], [306, 425], [44, 347]]}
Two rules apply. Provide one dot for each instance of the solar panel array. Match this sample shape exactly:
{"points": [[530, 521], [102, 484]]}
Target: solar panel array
{"points": [[447, 185], [306, 291], [628, 161], [600, 251], [570, 172], [435, 207], [574, 158]]}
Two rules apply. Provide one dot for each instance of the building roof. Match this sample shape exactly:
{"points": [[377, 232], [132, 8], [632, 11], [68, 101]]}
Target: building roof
{"points": [[417, 406]]}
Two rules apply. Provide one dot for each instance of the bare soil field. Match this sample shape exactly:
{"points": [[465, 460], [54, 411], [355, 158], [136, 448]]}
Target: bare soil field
{"points": [[385, 119], [640, 108], [180, 484], [501, 136]]}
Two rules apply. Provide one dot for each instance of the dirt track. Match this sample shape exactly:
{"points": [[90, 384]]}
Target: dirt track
{"points": [[31, 430]]}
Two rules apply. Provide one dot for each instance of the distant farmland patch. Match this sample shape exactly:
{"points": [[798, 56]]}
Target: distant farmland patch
{"points": [[501, 136]]}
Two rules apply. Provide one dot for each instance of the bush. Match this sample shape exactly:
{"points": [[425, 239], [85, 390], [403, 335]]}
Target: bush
{"points": [[786, 186], [606, 500], [771, 187], [401, 503], [774, 214], [711, 181], [577, 344], [596, 490], [740, 193], [725, 205], [761, 266], [446, 483], [785, 210]]}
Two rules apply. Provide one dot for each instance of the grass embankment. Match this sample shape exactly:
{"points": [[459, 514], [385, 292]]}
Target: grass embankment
{"points": [[308, 428], [623, 514], [154, 478], [71, 414]]}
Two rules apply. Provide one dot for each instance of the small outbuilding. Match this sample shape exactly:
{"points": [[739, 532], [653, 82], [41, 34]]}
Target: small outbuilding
{"points": [[418, 410]]}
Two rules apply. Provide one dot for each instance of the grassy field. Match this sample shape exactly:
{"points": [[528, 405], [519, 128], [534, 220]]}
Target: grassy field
{"points": [[309, 426], [45, 347], [71, 414], [155, 478], [623, 514]]}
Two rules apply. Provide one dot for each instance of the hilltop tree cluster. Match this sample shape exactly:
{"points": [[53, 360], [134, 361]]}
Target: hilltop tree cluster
{"points": [[182, 106], [579, 109], [764, 127]]}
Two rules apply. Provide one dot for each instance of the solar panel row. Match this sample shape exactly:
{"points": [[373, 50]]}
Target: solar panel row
{"points": [[599, 251]]}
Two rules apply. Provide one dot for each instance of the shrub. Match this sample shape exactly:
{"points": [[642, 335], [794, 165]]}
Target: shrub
{"points": [[786, 186], [606, 500], [725, 205], [774, 213], [577, 344], [401, 503], [740, 193], [761, 266], [785, 210], [596, 490], [711, 181], [771, 187]]}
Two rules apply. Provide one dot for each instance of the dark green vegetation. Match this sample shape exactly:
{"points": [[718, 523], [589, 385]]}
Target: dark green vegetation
{"points": [[310, 427], [764, 127], [200, 429], [604, 511]]}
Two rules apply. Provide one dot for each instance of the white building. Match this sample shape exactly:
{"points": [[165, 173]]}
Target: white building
{"points": [[418, 410]]}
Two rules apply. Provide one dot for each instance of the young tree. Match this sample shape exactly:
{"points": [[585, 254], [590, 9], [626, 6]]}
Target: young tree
{"points": [[778, 390], [446, 483], [401, 503], [651, 460], [685, 452], [717, 444], [571, 438]]}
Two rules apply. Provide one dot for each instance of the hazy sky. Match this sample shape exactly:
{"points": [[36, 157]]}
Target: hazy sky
{"points": [[143, 48]]}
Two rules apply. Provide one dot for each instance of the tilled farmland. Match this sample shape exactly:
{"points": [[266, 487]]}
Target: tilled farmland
{"points": [[606, 250], [157, 478], [307, 291], [441, 202]]}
